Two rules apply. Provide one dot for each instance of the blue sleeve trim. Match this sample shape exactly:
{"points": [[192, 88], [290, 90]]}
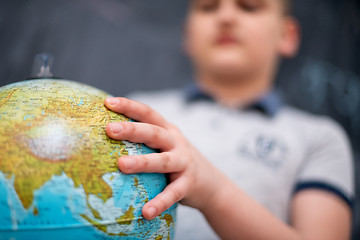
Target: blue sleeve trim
{"points": [[327, 187]]}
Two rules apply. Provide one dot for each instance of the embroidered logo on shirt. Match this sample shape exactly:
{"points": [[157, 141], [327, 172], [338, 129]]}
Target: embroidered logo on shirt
{"points": [[264, 148]]}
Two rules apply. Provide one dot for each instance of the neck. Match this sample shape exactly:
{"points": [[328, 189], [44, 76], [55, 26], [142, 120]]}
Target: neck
{"points": [[234, 90]]}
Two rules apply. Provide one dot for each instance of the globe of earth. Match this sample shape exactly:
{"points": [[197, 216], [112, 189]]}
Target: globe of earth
{"points": [[58, 168]]}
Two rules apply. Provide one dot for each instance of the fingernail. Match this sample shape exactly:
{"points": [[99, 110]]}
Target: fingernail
{"points": [[151, 211], [129, 163], [115, 127], [112, 101]]}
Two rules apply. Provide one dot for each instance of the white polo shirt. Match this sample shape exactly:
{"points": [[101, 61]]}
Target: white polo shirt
{"points": [[270, 151]]}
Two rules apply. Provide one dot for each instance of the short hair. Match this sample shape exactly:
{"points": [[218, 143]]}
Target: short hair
{"points": [[288, 6]]}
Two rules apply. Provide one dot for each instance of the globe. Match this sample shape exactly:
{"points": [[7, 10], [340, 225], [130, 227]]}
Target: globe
{"points": [[58, 168]]}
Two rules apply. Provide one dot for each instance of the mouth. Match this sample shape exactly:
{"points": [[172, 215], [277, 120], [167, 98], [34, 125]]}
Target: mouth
{"points": [[225, 40]]}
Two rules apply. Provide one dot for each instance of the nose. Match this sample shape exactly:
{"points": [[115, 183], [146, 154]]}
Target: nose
{"points": [[227, 12]]}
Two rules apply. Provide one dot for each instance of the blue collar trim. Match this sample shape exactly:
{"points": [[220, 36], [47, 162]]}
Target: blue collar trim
{"points": [[269, 104]]}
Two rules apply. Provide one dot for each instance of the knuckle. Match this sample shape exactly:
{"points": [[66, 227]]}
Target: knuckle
{"points": [[148, 111], [165, 161], [144, 161], [155, 135], [177, 195], [173, 127], [129, 130]]}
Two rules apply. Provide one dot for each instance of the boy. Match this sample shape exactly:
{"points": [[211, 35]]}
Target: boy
{"points": [[262, 171]]}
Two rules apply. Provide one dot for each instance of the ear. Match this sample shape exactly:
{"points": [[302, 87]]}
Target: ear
{"points": [[290, 39]]}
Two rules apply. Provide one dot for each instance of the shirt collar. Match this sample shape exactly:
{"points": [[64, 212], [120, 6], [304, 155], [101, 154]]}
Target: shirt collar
{"points": [[269, 104]]}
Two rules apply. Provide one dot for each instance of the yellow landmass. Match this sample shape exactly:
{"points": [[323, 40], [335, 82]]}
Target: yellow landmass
{"points": [[35, 211], [140, 221], [136, 182], [6, 98], [83, 117], [96, 224], [127, 217], [102, 227], [168, 218], [141, 190], [95, 213]]}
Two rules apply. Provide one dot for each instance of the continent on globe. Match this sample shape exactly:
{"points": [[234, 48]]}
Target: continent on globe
{"points": [[58, 168]]}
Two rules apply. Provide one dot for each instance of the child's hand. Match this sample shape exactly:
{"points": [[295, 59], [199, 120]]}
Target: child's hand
{"points": [[191, 176]]}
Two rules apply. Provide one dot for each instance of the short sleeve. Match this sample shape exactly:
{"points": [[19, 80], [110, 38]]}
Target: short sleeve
{"points": [[328, 163]]}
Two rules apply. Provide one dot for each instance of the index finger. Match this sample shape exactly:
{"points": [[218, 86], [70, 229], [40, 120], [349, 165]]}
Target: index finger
{"points": [[135, 110]]}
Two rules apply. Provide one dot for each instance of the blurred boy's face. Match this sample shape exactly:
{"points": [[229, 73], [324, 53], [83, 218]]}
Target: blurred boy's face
{"points": [[235, 36]]}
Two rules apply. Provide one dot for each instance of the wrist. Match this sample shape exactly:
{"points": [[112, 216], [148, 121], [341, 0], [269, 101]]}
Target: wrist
{"points": [[218, 190]]}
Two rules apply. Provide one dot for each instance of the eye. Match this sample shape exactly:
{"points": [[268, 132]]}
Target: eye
{"points": [[251, 5], [206, 5]]}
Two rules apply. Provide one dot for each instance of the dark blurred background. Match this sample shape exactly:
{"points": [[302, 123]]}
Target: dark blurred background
{"points": [[122, 46]]}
